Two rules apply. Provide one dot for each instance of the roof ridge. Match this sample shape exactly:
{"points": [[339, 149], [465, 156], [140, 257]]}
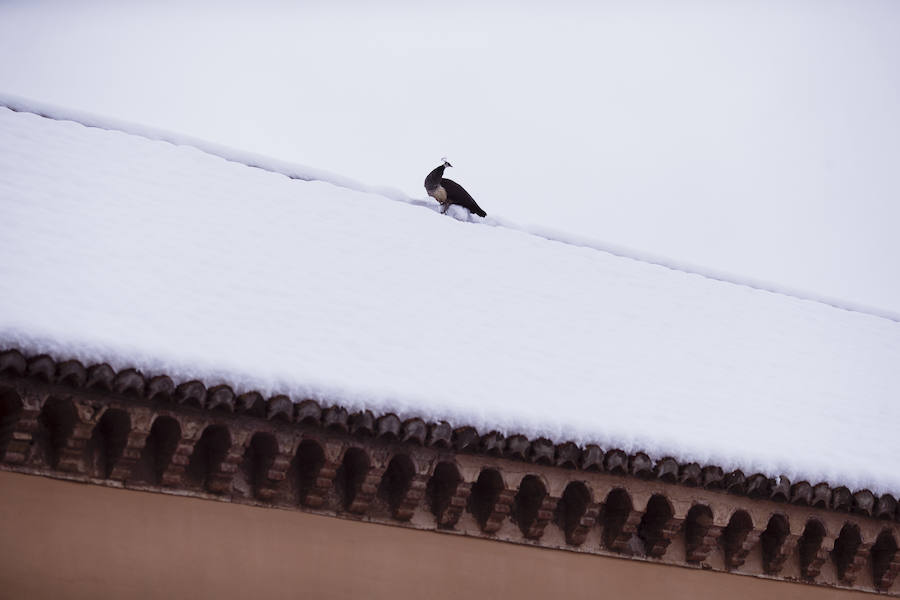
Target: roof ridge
{"points": [[691, 269], [305, 173]]}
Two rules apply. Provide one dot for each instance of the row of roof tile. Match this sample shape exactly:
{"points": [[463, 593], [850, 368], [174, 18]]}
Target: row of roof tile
{"points": [[161, 388]]}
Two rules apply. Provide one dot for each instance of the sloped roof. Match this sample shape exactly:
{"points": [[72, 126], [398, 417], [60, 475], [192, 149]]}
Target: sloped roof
{"points": [[171, 260]]}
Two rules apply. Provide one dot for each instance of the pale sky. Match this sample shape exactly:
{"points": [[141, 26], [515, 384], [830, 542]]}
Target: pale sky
{"points": [[757, 138]]}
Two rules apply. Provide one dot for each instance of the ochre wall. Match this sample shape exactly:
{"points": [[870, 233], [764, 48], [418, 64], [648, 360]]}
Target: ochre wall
{"points": [[69, 540]]}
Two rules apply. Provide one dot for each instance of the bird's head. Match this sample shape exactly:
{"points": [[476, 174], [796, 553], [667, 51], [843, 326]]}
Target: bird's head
{"points": [[446, 162]]}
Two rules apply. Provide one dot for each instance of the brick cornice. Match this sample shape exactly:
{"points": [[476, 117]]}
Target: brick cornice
{"points": [[124, 429]]}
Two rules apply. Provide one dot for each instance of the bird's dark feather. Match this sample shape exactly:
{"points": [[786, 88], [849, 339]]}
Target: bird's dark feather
{"points": [[434, 178], [456, 194]]}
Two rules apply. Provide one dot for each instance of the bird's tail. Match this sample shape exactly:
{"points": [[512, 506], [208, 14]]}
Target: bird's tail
{"points": [[479, 212]]}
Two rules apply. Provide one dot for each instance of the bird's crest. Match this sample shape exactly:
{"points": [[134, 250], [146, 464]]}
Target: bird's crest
{"points": [[445, 161]]}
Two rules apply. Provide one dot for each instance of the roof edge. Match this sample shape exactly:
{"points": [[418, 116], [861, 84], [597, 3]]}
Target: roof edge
{"points": [[161, 389], [121, 429]]}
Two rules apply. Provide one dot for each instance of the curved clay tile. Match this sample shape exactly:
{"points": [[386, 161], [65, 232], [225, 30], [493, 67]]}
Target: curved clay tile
{"points": [[253, 404], [568, 455], [821, 496], [388, 427], [493, 443], [161, 388], [841, 499], [220, 397], [616, 461], [71, 372], [12, 362], [667, 470], [691, 474], [735, 483], [129, 381], [414, 430], [713, 478], [362, 423], [885, 507], [641, 466], [191, 393], [440, 435], [309, 413], [864, 502], [757, 486], [801, 493], [42, 367], [465, 439], [335, 417], [100, 377], [592, 458], [517, 447], [780, 489], [542, 452], [280, 407]]}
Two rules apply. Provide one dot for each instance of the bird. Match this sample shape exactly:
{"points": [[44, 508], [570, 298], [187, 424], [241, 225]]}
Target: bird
{"points": [[447, 191]]}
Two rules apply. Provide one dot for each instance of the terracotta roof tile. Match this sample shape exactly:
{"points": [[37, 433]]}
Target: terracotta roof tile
{"points": [[191, 393], [592, 458], [253, 404], [517, 447], [335, 417], [640, 465], [616, 461], [568, 455], [691, 474], [440, 435], [542, 452], [71, 372], [415, 431], [667, 469], [466, 439], [493, 443], [280, 408], [160, 388], [388, 427], [12, 362], [42, 367]]}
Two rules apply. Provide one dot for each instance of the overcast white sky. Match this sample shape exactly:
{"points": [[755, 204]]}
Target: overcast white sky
{"points": [[757, 138]]}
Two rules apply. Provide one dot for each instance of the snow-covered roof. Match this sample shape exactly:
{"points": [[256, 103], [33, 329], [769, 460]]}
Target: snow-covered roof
{"points": [[140, 253]]}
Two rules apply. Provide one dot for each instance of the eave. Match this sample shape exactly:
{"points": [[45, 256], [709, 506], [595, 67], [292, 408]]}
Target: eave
{"points": [[124, 429]]}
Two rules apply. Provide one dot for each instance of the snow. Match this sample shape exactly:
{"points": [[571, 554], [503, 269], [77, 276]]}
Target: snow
{"points": [[738, 136], [306, 173], [250, 159], [163, 257]]}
